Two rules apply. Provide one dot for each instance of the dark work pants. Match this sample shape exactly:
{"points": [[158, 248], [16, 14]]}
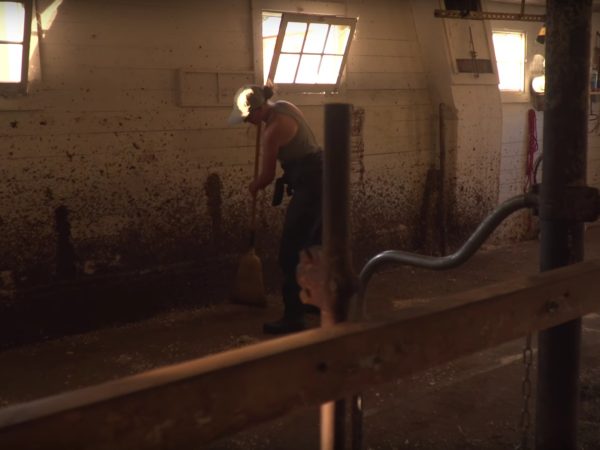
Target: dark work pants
{"points": [[301, 229]]}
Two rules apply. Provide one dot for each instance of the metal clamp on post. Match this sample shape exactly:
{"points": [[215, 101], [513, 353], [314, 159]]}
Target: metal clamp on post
{"points": [[578, 204]]}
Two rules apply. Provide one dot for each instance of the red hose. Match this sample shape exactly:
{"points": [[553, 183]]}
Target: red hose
{"points": [[531, 149]]}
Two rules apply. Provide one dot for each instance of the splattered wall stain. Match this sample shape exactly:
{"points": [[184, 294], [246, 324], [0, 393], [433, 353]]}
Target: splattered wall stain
{"points": [[357, 143], [214, 201], [65, 255]]}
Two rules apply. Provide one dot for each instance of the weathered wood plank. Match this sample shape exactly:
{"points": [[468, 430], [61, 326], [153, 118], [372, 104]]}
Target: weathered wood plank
{"points": [[108, 141], [76, 77], [383, 20], [360, 97], [186, 404], [399, 140], [86, 99], [387, 81], [395, 115], [385, 64], [404, 175], [383, 47], [41, 123], [141, 19], [236, 54]]}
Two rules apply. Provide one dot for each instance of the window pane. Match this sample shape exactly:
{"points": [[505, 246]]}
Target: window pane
{"points": [[286, 68], [337, 39], [315, 38], [270, 24], [509, 48], [330, 69], [312, 49], [308, 72], [12, 21], [10, 63], [270, 30], [511, 78], [268, 50], [294, 37]]}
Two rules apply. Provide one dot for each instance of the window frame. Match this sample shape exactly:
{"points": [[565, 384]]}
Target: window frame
{"points": [[20, 87], [509, 96], [287, 17]]}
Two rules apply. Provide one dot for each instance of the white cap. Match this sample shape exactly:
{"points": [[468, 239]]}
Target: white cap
{"points": [[246, 98]]}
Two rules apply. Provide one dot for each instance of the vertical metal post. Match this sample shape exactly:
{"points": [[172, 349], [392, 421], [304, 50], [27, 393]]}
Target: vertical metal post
{"points": [[441, 212], [26, 44], [336, 246], [565, 144]]}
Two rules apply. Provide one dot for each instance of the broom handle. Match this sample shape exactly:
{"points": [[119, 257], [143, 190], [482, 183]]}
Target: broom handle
{"points": [[256, 161]]}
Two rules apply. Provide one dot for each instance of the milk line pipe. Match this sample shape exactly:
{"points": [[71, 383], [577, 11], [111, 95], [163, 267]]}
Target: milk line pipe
{"points": [[483, 231], [358, 308]]}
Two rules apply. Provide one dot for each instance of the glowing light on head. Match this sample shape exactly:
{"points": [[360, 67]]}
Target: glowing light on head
{"points": [[242, 102]]}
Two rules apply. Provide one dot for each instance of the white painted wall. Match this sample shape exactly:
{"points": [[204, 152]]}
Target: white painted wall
{"points": [[127, 129], [473, 118], [515, 133], [515, 130], [126, 126]]}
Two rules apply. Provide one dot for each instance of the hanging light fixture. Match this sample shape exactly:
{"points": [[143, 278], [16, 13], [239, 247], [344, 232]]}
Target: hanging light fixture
{"points": [[538, 84], [541, 36]]}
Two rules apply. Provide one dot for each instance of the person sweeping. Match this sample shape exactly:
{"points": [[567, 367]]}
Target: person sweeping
{"points": [[286, 138]]}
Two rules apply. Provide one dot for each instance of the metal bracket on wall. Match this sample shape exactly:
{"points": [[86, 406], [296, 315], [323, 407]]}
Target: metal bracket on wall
{"points": [[579, 204]]}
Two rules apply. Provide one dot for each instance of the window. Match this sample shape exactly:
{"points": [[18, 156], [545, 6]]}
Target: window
{"points": [[306, 51], [15, 32], [510, 58]]}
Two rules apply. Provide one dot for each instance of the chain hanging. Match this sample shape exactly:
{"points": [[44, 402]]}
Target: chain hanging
{"points": [[525, 420]]}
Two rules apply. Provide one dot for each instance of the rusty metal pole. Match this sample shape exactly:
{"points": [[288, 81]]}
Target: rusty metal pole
{"points": [[565, 145], [441, 210], [336, 248]]}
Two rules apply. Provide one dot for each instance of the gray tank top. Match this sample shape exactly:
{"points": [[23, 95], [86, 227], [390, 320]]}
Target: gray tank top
{"points": [[303, 143]]}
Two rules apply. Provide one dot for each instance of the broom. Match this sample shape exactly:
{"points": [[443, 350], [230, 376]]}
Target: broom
{"points": [[249, 288]]}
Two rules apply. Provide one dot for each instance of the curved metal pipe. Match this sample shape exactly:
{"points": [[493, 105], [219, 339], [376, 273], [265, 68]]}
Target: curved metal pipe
{"points": [[485, 228]]}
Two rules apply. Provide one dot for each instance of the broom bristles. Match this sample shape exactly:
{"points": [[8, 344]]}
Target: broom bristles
{"points": [[249, 287]]}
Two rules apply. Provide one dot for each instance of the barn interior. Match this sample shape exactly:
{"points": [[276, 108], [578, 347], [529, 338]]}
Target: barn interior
{"points": [[125, 209]]}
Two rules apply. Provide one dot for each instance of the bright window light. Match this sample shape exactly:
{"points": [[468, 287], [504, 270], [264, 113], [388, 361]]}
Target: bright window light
{"points": [[510, 59], [11, 61], [12, 32], [270, 30], [305, 50]]}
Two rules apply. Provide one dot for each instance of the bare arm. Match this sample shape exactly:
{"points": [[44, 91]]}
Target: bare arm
{"points": [[277, 134]]}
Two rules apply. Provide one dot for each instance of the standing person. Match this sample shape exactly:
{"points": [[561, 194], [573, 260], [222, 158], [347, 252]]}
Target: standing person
{"points": [[287, 138]]}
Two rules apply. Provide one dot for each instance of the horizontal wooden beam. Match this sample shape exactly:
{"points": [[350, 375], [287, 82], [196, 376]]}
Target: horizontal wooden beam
{"points": [[480, 15], [184, 405]]}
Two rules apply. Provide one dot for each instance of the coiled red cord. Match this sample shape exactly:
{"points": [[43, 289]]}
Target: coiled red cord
{"points": [[531, 150]]}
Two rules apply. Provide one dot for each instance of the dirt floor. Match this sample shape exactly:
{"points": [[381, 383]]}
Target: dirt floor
{"points": [[472, 403]]}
